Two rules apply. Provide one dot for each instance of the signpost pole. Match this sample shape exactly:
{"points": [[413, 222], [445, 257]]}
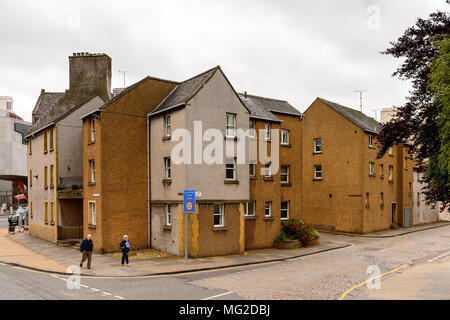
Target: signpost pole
{"points": [[185, 236]]}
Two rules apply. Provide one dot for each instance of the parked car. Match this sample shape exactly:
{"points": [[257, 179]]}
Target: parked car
{"points": [[14, 218]]}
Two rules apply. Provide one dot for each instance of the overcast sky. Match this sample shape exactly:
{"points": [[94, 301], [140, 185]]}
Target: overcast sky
{"points": [[292, 50]]}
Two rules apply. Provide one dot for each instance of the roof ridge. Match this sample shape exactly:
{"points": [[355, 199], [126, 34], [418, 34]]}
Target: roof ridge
{"points": [[348, 108], [200, 74], [255, 96]]}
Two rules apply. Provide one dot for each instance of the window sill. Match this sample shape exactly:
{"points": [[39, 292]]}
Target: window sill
{"points": [[317, 179], [268, 178], [45, 152], [45, 187], [52, 223], [167, 227], [373, 175], [51, 150], [391, 181], [231, 182], [285, 184], [314, 153], [268, 218], [220, 229], [390, 155], [231, 138], [46, 222], [382, 205], [92, 226], [91, 142], [367, 206], [286, 145], [381, 177], [250, 217], [268, 140], [166, 138], [253, 177], [167, 181], [91, 183], [372, 147], [52, 186]]}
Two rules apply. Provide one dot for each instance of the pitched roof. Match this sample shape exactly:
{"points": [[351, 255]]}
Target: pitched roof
{"points": [[356, 117], [266, 108], [46, 101], [184, 91]]}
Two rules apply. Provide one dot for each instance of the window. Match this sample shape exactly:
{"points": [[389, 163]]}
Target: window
{"points": [[92, 170], [391, 169], [268, 209], [284, 173], [390, 151], [381, 170], [318, 145], [167, 126], [418, 198], [46, 212], [250, 209], [51, 175], [8, 105], [30, 146], [406, 163], [284, 210], [92, 130], [371, 168], [92, 213], [167, 168], [367, 199], [370, 140], [45, 177], [50, 131], [318, 172], [410, 188], [30, 178], [230, 169], [45, 141], [382, 198], [52, 205], [231, 125], [267, 131], [251, 127], [267, 169], [284, 137], [168, 215], [252, 168], [219, 215]]}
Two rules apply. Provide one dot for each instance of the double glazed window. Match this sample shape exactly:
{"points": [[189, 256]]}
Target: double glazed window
{"points": [[267, 131], [318, 172], [251, 129], [167, 168], [252, 168], [92, 170], [267, 169], [391, 170], [284, 174], [168, 215], [92, 213], [370, 140], [219, 215], [284, 210], [371, 168], [167, 126], [231, 125], [250, 209], [92, 130], [268, 209], [285, 137]]}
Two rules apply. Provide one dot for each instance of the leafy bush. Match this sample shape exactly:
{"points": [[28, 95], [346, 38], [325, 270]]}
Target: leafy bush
{"points": [[297, 228]]}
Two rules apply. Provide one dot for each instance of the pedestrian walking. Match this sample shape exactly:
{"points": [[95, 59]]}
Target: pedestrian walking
{"points": [[125, 247], [86, 247], [20, 222]]}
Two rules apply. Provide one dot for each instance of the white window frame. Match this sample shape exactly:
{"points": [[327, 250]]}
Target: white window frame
{"points": [[92, 213], [251, 165], [370, 140], [284, 174], [168, 215], [247, 212], [233, 169], [267, 206], [318, 171], [371, 168], [390, 151], [318, 145], [167, 168], [267, 134], [220, 214], [92, 169], [92, 130], [391, 172], [230, 126], [268, 169], [284, 133], [285, 210], [167, 126]]}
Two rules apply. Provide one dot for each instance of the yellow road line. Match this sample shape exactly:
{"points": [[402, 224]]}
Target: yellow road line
{"points": [[363, 283]]}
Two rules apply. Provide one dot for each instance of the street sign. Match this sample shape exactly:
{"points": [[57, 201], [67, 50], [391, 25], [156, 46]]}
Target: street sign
{"points": [[189, 201]]}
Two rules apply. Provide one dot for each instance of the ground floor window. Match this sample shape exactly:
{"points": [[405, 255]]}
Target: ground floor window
{"points": [[284, 210], [219, 215], [168, 215]]}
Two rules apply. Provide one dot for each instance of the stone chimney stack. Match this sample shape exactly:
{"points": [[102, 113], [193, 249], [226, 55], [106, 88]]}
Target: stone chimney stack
{"points": [[90, 75]]}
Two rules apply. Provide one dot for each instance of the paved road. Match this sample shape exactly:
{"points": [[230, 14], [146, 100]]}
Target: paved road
{"points": [[323, 276]]}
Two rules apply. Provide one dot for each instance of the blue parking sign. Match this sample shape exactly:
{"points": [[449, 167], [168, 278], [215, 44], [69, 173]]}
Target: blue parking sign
{"points": [[189, 201]]}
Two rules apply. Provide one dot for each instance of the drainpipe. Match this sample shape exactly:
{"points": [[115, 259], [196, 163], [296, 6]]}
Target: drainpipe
{"points": [[148, 185]]}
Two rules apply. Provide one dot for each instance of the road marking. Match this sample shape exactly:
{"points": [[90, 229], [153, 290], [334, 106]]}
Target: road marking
{"points": [[84, 286], [218, 295], [106, 293], [119, 297], [96, 290], [371, 279]]}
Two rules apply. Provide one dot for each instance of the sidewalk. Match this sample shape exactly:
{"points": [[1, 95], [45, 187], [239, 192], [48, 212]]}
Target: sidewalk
{"points": [[391, 233], [28, 251]]}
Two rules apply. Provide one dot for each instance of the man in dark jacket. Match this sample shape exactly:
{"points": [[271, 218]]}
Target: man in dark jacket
{"points": [[87, 246], [125, 247]]}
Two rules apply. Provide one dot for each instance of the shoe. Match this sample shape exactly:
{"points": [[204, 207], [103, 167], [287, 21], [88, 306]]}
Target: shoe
{"points": [[81, 265]]}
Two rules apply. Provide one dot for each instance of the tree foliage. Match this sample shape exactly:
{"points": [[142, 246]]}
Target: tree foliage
{"points": [[421, 121]]}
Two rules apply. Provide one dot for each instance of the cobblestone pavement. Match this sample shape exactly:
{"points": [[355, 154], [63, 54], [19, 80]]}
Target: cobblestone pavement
{"points": [[329, 274]]}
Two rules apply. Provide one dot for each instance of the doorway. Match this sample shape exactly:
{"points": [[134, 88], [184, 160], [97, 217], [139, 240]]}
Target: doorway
{"points": [[394, 212]]}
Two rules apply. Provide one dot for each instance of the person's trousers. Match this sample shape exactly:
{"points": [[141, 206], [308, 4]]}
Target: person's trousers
{"points": [[124, 257], [87, 255]]}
